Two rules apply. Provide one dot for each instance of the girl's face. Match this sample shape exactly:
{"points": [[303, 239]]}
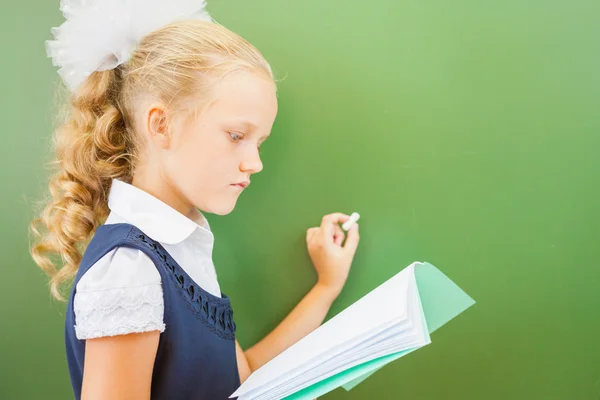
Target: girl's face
{"points": [[206, 156]]}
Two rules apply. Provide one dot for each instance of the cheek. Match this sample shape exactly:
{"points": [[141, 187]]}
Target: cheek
{"points": [[204, 156], [200, 162], [192, 152]]}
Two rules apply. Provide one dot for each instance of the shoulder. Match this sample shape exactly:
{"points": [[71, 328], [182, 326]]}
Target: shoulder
{"points": [[119, 294], [122, 267]]}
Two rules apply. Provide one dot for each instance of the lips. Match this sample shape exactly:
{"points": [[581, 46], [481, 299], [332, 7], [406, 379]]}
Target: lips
{"points": [[243, 184]]}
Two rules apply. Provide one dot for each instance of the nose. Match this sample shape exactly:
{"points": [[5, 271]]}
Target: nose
{"points": [[252, 163]]}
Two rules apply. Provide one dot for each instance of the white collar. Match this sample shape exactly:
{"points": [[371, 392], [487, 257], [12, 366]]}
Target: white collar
{"points": [[152, 216]]}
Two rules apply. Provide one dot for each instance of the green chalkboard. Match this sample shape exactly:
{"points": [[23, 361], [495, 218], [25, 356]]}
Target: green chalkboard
{"points": [[465, 133]]}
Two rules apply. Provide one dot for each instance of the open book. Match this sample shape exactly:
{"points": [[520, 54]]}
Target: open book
{"points": [[389, 322]]}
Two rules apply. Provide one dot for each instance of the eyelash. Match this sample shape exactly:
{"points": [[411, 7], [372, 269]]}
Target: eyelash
{"points": [[231, 134]]}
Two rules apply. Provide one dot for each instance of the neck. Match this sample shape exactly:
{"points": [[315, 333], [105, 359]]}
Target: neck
{"points": [[163, 190]]}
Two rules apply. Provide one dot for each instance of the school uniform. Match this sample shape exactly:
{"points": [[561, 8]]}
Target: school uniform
{"points": [[150, 268]]}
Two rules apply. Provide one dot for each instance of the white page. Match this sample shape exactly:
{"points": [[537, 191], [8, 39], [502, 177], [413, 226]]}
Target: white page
{"points": [[423, 334], [298, 372], [396, 338], [418, 335], [320, 369], [324, 369], [325, 372], [355, 321]]}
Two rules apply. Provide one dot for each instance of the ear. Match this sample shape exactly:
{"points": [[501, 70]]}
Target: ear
{"points": [[157, 125]]}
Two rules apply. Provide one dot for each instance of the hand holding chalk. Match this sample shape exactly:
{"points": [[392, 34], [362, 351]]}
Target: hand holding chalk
{"points": [[331, 260]]}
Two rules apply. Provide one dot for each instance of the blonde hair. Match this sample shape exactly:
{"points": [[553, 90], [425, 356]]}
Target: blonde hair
{"points": [[97, 142]]}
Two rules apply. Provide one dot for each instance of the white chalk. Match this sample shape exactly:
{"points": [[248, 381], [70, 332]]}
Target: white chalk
{"points": [[353, 218]]}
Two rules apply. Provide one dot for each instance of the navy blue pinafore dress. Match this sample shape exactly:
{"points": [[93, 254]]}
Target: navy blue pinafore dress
{"points": [[196, 356]]}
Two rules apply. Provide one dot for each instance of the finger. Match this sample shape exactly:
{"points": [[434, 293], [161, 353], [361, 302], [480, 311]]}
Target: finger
{"points": [[338, 237], [353, 238], [329, 221]]}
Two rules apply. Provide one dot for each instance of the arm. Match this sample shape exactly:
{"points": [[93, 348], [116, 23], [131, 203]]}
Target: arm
{"points": [[332, 262], [303, 319], [119, 367]]}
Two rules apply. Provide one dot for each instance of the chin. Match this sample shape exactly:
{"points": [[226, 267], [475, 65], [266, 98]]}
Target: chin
{"points": [[222, 209]]}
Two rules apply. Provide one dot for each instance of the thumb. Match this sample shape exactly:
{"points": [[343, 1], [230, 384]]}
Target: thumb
{"points": [[352, 239]]}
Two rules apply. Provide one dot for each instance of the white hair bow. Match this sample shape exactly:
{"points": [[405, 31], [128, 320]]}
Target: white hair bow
{"points": [[101, 34]]}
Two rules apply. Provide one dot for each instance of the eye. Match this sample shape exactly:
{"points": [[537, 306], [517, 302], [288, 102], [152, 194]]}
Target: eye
{"points": [[235, 136]]}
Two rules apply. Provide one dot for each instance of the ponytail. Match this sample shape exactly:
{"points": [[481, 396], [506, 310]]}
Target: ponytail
{"points": [[92, 147]]}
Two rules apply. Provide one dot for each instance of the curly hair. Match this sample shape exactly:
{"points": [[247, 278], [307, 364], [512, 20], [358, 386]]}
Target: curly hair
{"points": [[97, 142]]}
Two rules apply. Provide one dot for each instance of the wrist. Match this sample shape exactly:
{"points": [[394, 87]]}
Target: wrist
{"points": [[326, 291]]}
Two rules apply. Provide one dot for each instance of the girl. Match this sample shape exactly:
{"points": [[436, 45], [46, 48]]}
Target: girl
{"points": [[170, 130]]}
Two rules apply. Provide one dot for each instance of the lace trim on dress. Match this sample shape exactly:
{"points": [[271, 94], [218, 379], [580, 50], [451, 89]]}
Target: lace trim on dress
{"points": [[118, 311]]}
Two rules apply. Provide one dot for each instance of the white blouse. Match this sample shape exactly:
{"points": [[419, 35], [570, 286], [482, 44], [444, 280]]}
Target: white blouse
{"points": [[122, 292]]}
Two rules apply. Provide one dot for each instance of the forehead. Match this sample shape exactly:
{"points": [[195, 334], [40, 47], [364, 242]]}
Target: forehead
{"points": [[246, 97]]}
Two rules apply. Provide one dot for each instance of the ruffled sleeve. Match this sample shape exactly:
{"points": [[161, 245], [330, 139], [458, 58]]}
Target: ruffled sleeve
{"points": [[120, 294]]}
